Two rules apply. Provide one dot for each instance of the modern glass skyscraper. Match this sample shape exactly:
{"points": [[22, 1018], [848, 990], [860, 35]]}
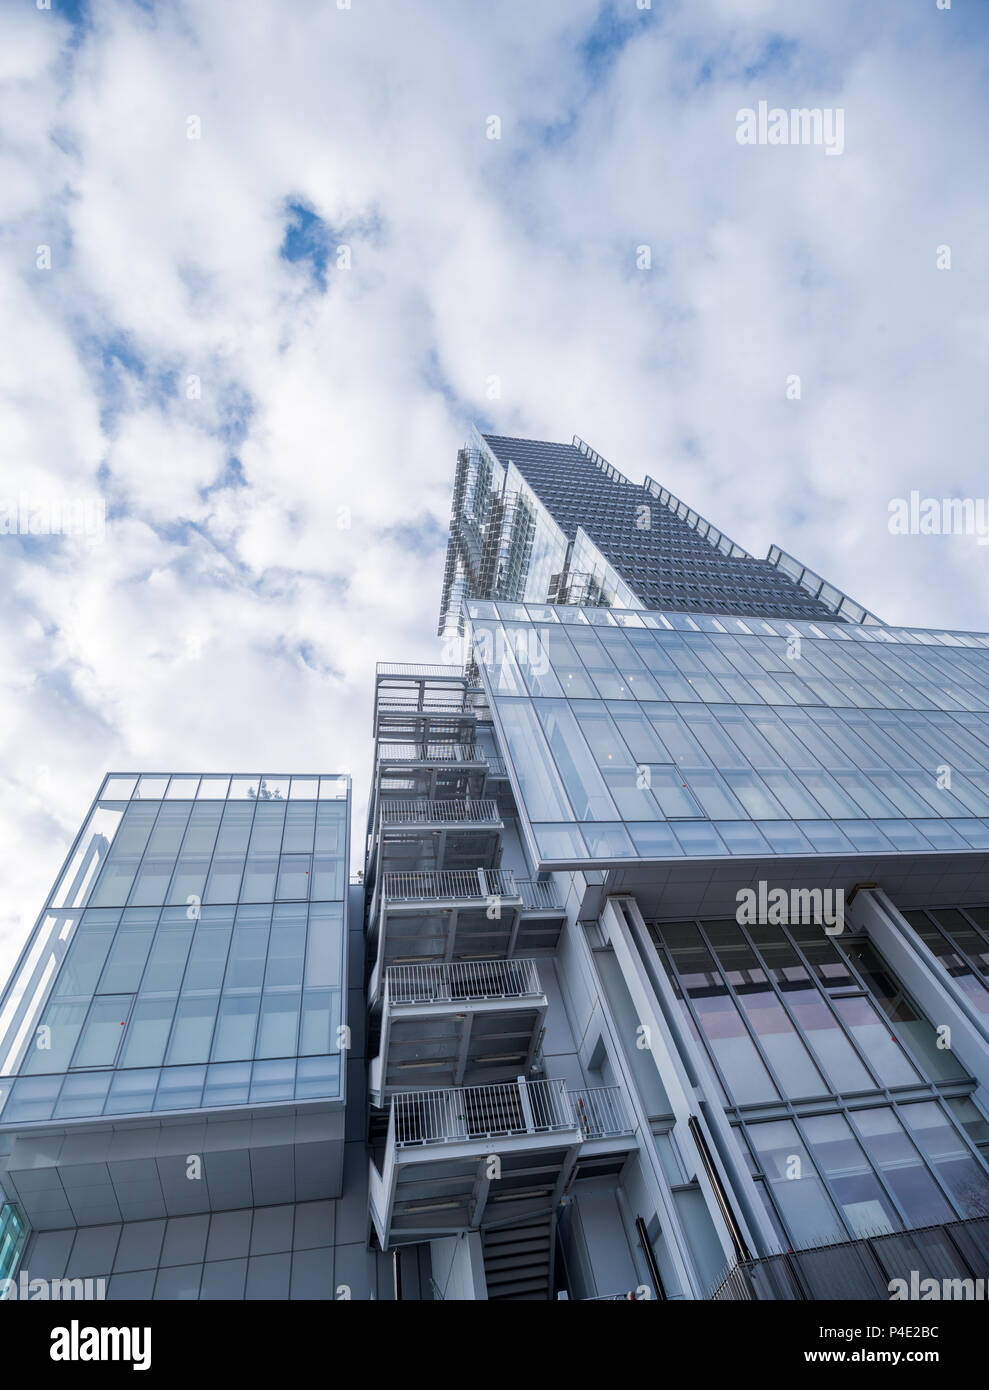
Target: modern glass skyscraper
{"points": [[557, 523], [670, 961], [676, 913]]}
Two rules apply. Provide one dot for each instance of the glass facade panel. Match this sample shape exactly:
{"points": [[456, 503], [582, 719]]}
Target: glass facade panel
{"points": [[803, 1200], [141, 997], [102, 1031], [902, 1167], [847, 729], [861, 1198], [961, 1170]]}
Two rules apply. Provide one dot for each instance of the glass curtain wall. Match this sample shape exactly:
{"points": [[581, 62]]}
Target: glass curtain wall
{"points": [[853, 1119]]}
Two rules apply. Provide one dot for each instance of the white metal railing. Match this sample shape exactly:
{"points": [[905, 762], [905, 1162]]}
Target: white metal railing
{"points": [[434, 703], [457, 981], [496, 767], [404, 668], [430, 753], [481, 1112], [425, 812], [536, 895], [422, 884], [601, 1111]]}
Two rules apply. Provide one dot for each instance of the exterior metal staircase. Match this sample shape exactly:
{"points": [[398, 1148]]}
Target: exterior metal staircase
{"points": [[518, 1260]]}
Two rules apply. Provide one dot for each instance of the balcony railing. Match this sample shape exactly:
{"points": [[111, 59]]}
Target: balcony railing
{"points": [[481, 1112], [436, 702], [601, 1111], [430, 753], [631, 1297], [538, 896], [404, 668], [425, 812], [459, 981], [513, 1108], [425, 884]]}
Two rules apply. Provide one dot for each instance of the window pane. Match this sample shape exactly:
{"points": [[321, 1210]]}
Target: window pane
{"points": [[147, 1032], [127, 958], [884, 1054], [180, 1088], [235, 1027], [320, 1019], [259, 879], [286, 948], [193, 1031], [864, 1204], [583, 781], [279, 1027], [957, 1167], [317, 1076], [103, 1030], [719, 1020], [766, 1015], [52, 1049], [82, 1094], [227, 1084], [132, 1092], [293, 876], [249, 946], [328, 877], [166, 963], [939, 1063], [84, 961], [323, 957], [223, 885], [902, 1167], [208, 957], [273, 1080], [300, 826], [539, 781], [806, 1208]]}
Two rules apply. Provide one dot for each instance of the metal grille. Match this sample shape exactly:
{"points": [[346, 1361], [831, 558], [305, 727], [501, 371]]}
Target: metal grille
{"points": [[863, 1269]]}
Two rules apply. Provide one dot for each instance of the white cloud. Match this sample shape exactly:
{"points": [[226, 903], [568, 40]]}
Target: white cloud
{"points": [[236, 626]]}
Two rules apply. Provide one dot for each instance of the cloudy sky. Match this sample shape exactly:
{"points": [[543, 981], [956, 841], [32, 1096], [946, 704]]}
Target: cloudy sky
{"points": [[263, 263]]}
